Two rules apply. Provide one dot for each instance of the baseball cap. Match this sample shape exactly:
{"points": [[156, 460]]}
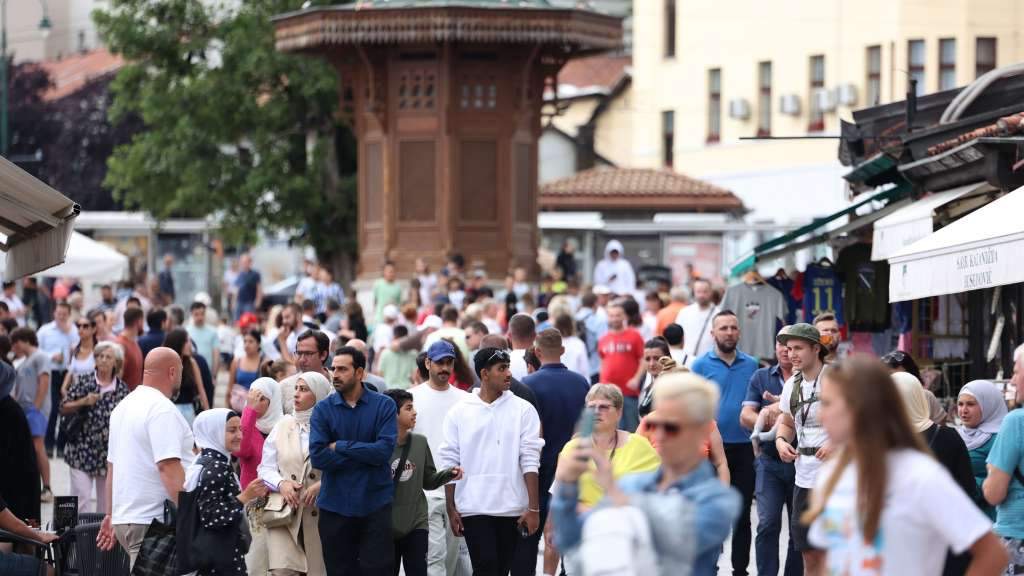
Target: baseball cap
{"points": [[802, 331], [432, 321], [248, 319], [440, 350]]}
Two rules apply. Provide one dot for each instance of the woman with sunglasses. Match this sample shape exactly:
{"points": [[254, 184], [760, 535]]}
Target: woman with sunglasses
{"points": [[883, 504], [82, 360]]}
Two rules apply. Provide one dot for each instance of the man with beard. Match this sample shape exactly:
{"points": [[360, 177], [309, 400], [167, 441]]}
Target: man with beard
{"points": [[150, 445], [800, 420], [494, 436], [831, 337], [288, 335], [433, 400], [732, 369], [311, 351], [351, 437]]}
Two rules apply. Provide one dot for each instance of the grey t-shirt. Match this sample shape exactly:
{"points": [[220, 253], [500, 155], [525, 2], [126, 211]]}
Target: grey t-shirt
{"points": [[27, 382], [759, 307]]}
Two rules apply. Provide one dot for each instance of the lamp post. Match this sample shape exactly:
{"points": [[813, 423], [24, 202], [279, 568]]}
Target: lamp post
{"points": [[44, 27]]}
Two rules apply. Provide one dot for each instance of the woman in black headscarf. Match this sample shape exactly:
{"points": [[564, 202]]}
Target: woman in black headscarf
{"points": [[19, 483]]}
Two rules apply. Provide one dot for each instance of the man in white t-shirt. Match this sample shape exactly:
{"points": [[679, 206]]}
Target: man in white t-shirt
{"points": [[15, 307], [521, 332], [150, 445], [696, 320], [433, 399], [800, 420]]}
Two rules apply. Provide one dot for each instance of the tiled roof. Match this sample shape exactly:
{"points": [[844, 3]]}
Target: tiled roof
{"points": [[72, 72], [594, 72], [636, 189]]}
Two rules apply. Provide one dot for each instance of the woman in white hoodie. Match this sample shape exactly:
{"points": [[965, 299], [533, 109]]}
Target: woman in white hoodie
{"points": [[494, 437]]}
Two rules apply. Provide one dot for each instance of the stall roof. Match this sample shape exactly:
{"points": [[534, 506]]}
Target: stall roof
{"points": [[981, 250], [35, 222], [915, 221]]}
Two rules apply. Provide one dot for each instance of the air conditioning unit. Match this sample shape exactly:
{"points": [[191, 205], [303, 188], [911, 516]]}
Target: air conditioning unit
{"points": [[789, 104], [739, 109], [825, 100], [847, 94]]}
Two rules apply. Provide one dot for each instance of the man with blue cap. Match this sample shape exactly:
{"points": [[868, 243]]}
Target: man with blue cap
{"points": [[433, 399]]}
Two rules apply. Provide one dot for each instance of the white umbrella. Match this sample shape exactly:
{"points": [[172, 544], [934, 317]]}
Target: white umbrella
{"points": [[87, 258]]}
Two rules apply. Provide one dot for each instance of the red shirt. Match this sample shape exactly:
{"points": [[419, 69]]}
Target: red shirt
{"points": [[132, 372], [621, 354]]}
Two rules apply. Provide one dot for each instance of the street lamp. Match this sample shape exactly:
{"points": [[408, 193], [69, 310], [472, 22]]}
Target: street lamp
{"points": [[45, 26]]}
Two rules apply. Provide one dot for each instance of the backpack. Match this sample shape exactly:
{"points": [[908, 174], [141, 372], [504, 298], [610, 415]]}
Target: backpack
{"points": [[617, 542]]}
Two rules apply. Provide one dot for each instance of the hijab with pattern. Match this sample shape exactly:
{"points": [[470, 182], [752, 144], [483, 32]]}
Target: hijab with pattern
{"points": [[210, 430], [271, 390], [993, 410], [914, 400], [320, 388]]}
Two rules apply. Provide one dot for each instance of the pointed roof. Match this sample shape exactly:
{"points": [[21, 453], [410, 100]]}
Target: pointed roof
{"points": [[636, 189]]}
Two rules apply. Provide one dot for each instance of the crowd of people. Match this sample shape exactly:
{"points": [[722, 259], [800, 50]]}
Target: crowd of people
{"points": [[453, 427]]}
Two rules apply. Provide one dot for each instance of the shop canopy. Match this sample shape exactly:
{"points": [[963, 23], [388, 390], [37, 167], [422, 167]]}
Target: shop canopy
{"points": [[981, 250], [915, 221], [35, 222], [817, 231]]}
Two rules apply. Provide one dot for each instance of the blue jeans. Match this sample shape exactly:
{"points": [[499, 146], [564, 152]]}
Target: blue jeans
{"points": [[630, 419], [773, 490]]}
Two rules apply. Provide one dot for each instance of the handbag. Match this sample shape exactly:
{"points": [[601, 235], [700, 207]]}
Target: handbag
{"points": [[158, 554], [277, 511], [71, 426], [199, 548]]}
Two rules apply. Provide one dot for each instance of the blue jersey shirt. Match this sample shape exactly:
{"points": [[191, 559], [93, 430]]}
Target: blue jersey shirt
{"points": [[357, 473], [732, 381], [823, 292]]}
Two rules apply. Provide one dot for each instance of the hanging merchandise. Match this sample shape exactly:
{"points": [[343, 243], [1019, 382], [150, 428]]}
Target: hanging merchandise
{"points": [[784, 284], [760, 309], [822, 291], [865, 289]]}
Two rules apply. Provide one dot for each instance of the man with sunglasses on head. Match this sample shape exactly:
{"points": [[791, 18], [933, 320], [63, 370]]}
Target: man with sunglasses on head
{"points": [[494, 436], [433, 400]]}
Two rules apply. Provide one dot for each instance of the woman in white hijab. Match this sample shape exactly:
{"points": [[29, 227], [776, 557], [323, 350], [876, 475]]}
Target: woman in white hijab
{"points": [[287, 469], [221, 502], [262, 411], [981, 408]]}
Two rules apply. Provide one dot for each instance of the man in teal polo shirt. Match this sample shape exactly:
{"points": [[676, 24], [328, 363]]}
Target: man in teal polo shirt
{"points": [[731, 369]]}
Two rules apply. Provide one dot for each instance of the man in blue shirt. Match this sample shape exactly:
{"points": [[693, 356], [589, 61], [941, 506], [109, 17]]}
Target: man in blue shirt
{"points": [[157, 322], [731, 369], [352, 435], [561, 396], [775, 478]]}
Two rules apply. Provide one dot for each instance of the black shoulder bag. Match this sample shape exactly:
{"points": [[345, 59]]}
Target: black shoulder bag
{"points": [[200, 548]]}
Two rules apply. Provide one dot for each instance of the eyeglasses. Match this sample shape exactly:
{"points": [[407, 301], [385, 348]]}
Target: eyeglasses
{"points": [[600, 407], [309, 353], [670, 428]]}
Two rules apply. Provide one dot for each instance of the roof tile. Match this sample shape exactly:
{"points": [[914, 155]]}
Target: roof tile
{"points": [[637, 188]]}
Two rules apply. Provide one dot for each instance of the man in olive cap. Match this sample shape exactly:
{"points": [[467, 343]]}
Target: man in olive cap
{"points": [[800, 419]]}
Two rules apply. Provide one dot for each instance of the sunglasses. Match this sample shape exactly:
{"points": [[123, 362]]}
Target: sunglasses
{"points": [[501, 355], [83, 325], [670, 428]]}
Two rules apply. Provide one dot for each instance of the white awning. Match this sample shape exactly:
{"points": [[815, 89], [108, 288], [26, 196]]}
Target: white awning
{"points": [[570, 221], [981, 250], [87, 258], [35, 221], [913, 222]]}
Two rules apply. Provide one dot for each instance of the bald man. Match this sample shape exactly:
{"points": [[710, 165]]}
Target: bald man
{"points": [[375, 382], [150, 445]]}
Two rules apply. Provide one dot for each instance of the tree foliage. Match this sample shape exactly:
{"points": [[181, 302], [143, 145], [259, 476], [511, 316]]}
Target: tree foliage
{"points": [[232, 127]]}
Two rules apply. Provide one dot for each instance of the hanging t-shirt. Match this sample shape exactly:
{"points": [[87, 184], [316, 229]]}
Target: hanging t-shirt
{"points": [[865, 289], [925, 512], [823, 293], [760, 310], [809, 431], [784, 284]]}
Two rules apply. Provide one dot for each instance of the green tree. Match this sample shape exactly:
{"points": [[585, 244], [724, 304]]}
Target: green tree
{"points": [[232, 127]]}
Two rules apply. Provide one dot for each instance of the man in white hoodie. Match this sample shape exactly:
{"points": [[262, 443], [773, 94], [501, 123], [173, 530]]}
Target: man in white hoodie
{"points": [[614, 271], [495, 437]]}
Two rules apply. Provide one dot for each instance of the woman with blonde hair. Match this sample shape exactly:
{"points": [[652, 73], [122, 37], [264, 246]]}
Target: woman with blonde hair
{"points": [[294, 546], [882, 504]]}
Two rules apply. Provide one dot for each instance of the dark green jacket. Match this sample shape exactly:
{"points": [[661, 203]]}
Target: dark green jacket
{"points": [[409, 509]]}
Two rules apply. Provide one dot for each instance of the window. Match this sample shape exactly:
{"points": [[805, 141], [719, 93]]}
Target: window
{"points": [[714, 105], [873, 90], [670, 28], [817, 118], [984, 56], [947, 63], [668, 144], [915, 64], [764, 99]]}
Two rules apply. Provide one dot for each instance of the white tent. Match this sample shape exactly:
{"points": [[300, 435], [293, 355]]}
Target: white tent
{"points": [[89, 259], [980, 250]]}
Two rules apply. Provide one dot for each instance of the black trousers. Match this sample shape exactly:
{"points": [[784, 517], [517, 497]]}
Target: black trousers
{"points": [[411, 551], [56, 380], [741, 471], [524, 563], [492, 542], [357, 546]]}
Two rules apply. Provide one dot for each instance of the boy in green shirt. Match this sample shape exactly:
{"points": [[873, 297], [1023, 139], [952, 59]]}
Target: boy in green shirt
{"points": [[412, 467]]}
